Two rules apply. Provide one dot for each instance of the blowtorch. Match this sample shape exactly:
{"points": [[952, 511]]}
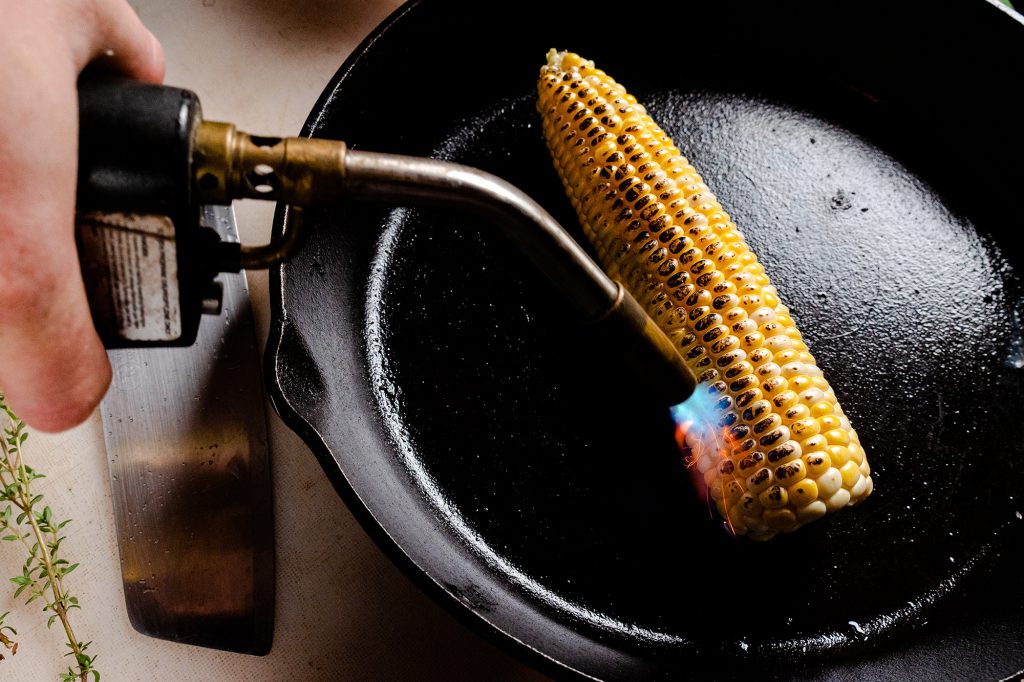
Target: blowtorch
{"points": [[148, 162]]}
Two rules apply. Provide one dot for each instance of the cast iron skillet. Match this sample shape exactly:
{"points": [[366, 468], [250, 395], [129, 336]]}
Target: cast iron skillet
{"points": [[867, 151]]}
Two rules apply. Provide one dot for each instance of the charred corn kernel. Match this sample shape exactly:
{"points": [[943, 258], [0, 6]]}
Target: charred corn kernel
{"points": [[784, 400], [759, 481], [795, 413], [750, 505], [774, 386], [794, 471], [734, 490], [786, 454], [817, 463], [812, 396], [801, 383], [774, 497]]}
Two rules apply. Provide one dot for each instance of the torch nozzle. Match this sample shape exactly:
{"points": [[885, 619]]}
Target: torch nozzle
{"points": [[659, 371]]}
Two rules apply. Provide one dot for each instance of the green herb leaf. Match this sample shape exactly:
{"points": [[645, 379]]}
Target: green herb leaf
{"points": [[42, 571]]}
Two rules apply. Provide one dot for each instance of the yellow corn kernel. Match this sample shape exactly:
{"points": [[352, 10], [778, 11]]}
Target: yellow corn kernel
{"points": [[804, 492], [850, 473], [787, 455], [838, 436], [822, 408], [839, 454], [829, 422]]}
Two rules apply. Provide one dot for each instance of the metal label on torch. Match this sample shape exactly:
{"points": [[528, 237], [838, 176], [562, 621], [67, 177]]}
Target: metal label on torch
{"points": [[130, 268]]}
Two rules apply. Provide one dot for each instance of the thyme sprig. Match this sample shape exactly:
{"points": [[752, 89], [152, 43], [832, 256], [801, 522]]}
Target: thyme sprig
{"points": [[39, 533]]}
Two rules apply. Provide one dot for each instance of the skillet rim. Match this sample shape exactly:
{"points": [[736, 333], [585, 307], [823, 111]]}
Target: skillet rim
{"points": [[308, 433]]}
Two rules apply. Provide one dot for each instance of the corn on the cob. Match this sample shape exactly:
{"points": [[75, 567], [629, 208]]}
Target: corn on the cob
{"points": [[787, 454]]}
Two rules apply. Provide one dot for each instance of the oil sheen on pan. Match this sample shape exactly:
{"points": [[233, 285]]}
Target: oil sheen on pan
{"points": [[906, 307]]}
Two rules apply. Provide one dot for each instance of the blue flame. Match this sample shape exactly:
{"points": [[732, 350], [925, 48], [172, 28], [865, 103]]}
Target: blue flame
{"points": [[698, 418]]}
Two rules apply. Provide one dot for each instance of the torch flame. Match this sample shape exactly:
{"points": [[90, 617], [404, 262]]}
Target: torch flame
{"points": [[701, 440]]}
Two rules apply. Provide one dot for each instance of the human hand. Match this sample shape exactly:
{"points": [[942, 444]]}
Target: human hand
{"points": [[52, 364]]}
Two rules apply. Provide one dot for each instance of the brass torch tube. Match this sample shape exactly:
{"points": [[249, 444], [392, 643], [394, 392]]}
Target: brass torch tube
{"points": [[371, 176], [597, 299], [311, 172]]}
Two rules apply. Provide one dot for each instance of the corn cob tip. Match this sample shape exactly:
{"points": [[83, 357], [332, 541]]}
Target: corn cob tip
{"points": [[563, 60], [555, 58]]}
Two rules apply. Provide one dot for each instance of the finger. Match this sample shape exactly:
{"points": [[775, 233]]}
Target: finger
{"points": [[55, 370], [123, 43]]}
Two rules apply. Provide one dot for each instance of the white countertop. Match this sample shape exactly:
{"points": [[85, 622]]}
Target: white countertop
{"points": [[343, 610]]}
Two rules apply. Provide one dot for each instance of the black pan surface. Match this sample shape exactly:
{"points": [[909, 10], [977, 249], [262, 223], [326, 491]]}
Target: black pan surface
{"points": [[866, 150]]}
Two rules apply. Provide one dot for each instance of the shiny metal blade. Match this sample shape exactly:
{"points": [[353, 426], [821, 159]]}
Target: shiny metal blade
{"points": [[186, 440]]}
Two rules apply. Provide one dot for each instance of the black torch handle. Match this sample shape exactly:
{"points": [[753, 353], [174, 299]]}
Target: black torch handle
{"points": [[135, 145], [145, 260]]}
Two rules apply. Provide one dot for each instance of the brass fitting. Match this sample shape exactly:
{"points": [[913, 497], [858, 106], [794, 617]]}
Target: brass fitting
{"points": [[229, 164]]}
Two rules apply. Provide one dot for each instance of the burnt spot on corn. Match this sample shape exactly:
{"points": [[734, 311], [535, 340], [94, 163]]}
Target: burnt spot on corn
{"points": [[772, 421], [738, 432], [771, 438], [785, 451], [751, 462]]}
